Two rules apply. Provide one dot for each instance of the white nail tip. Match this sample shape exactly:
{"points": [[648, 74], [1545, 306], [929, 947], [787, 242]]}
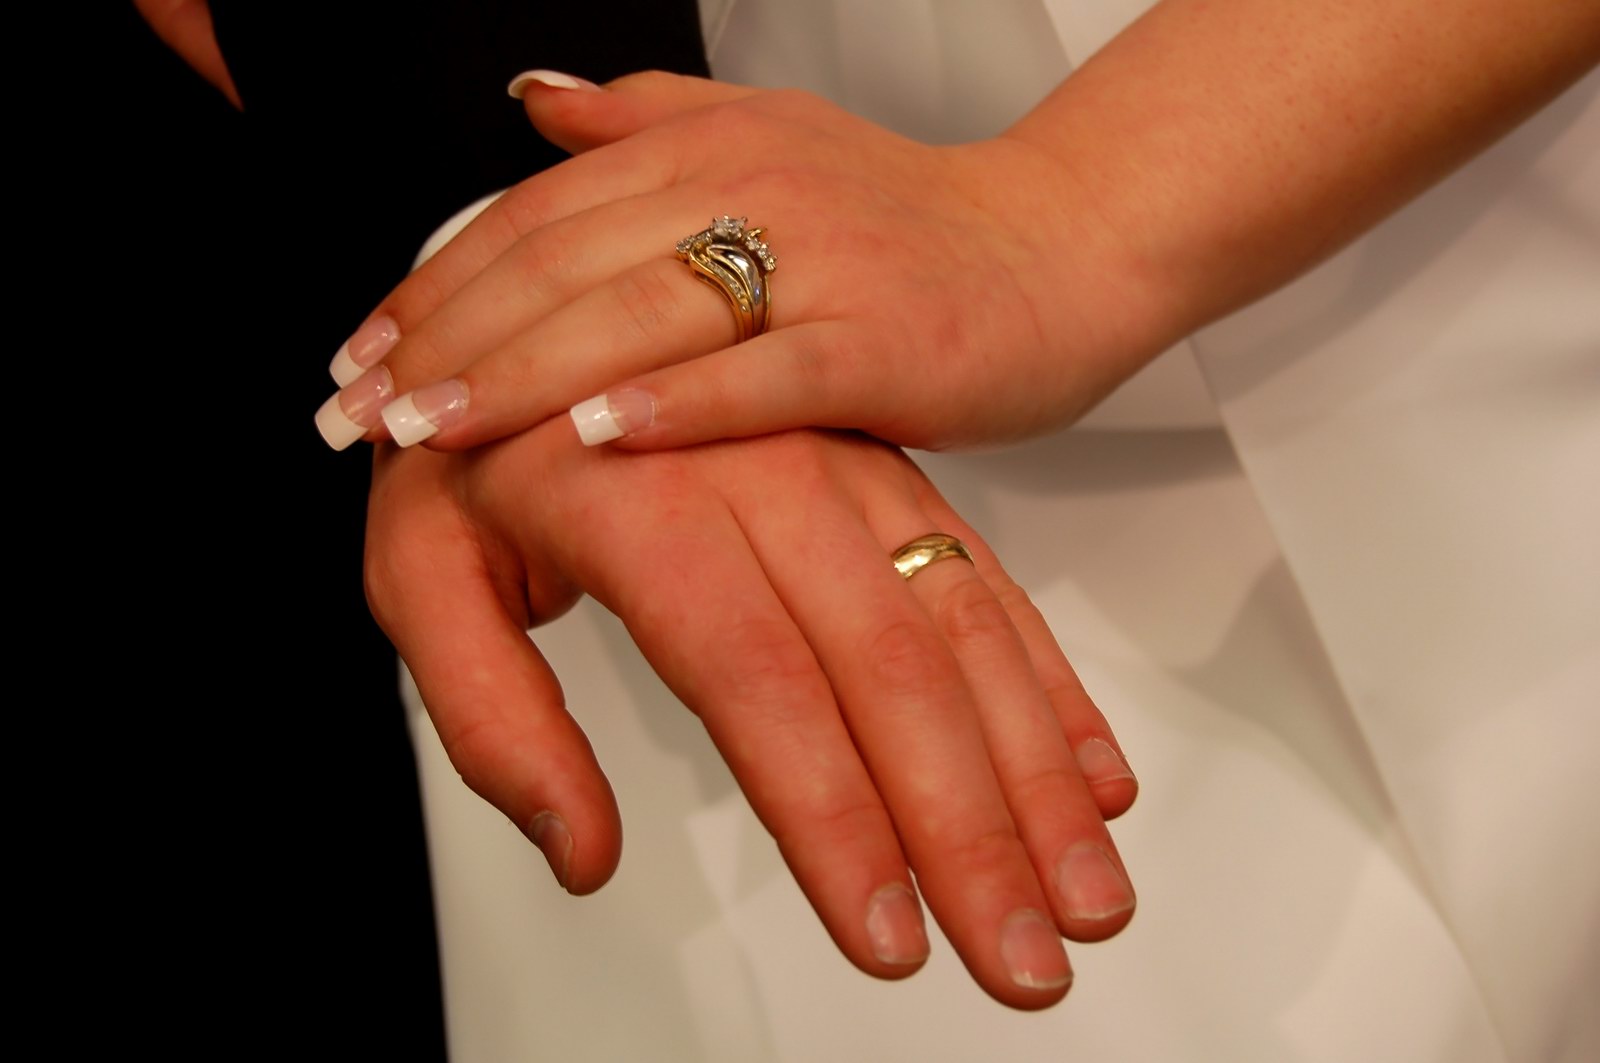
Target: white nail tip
{"points": [[553, 78], [338, 431], [343, 368], [406, 422], [594, 421]]}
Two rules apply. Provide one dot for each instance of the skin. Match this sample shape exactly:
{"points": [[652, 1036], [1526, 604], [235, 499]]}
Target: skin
{"points": [[935, 723], [878, 726], [185, 27], [1210, 154]]}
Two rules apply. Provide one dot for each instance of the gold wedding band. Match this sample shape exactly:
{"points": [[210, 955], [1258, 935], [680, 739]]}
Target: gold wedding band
{"points": [[737, 262], [918, 554]]}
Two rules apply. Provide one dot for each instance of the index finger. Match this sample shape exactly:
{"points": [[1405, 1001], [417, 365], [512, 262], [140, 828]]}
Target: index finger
{"points": [[628, 168]]}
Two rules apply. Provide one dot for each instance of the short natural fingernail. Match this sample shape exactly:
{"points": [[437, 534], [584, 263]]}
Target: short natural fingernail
{"points": [[550, 834], [420, 414], [1100, 763], [894, 922], [1092, 887], [553, 78], [1032, 951], [349, 412], [364, 350], [607, 417]]}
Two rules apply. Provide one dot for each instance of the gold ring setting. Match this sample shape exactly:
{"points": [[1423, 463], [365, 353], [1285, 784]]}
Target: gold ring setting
{"points": [[733, 258], [918, 554]]}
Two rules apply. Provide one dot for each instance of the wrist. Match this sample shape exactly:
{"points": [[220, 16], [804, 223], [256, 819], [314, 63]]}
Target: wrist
{"points": [[1102, 305]]}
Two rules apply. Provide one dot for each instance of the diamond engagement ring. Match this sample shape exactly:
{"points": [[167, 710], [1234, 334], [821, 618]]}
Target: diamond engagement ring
{"points": [[733, 259]]}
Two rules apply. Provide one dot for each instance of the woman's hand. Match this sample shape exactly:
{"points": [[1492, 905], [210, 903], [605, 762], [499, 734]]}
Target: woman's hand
{"points": [[935, 296], [878, 726], [917, 295]]}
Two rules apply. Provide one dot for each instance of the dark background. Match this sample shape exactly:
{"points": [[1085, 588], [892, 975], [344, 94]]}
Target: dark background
{"points": [[282, 861]]}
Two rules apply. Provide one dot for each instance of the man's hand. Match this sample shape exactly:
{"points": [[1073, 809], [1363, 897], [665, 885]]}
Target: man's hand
{"points": [[878, 726]]}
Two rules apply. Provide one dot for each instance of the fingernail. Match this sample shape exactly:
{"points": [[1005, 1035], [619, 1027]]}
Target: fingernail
{"points": [[419, 414], [1091, 886], [353, 409], [607, 417], [553, 78], [894, 922], [1100, 763], [364, 350], [550, 834], [1032, 951]]}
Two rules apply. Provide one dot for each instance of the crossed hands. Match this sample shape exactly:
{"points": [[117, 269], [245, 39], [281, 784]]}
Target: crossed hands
{"points": [[882, 728]]}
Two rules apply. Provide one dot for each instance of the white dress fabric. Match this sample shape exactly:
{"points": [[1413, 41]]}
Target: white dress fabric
{"points": [[1341, 602]]}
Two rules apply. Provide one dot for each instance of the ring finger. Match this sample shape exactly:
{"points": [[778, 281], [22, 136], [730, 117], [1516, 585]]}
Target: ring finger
{"points": [[912, 716], [1057, 816], [561, 313]]}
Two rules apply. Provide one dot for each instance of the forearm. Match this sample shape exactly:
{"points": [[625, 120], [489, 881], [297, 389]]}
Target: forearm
{"points": [[1223, 147]]}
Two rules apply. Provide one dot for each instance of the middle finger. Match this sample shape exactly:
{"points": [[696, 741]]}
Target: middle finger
{"points": [[502, 305]]}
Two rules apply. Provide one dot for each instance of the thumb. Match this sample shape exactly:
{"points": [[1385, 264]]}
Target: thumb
{"points": [[578, 115], [493, 699]]}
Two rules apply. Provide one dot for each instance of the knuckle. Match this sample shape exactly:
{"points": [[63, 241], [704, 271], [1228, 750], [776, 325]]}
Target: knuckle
{"points": [[380, 580], [768, 667], [1047, 788], [426, 355], [469, 746], [416, 296], [1061, 684], [1066, 695], [795, 186], [527, 207], [546, 265], [820, 366], [649, 300], [738, 121], [970, 615], [843, 823], [908, 658], [982, 851], [1011, 596], [646, 82], [794, 104]]}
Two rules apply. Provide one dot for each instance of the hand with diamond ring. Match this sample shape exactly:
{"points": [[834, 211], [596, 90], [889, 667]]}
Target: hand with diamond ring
{"points": [[939, 296], [878, 725]]}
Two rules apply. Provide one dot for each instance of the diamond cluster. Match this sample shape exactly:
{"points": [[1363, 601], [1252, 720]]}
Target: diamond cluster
{"points": [[730, 230]]}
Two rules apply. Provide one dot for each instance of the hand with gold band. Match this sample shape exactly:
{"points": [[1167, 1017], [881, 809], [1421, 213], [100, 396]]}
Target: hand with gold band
{"points": [[882, 723]]}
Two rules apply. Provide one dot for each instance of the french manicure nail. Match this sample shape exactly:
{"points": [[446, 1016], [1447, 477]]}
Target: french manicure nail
{"points": [[353, 409], [364, 350], [1100, 763], [553, 78], [894, 922], [1091, 886], [1031, 949], [607, 417], [419, 414], [550, 834]]}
